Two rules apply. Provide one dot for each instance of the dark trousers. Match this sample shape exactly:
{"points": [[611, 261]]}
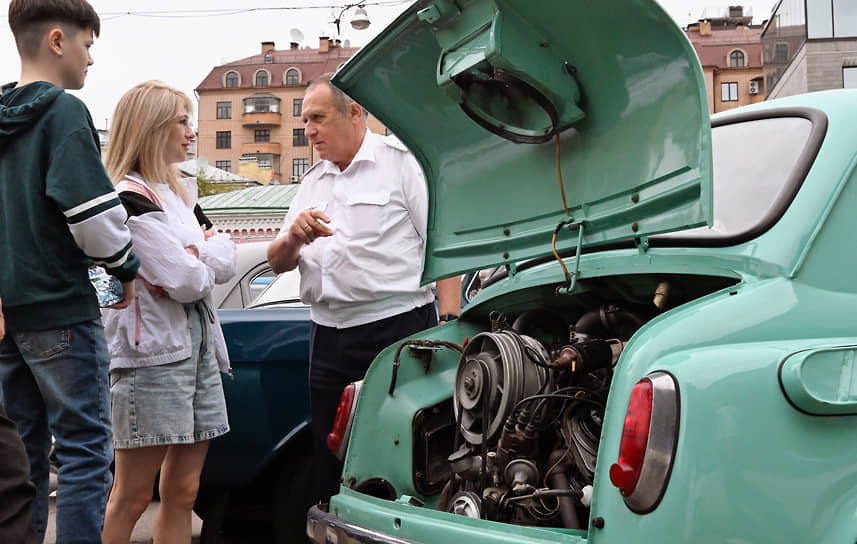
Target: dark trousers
{"points": [[16, 490], [339, 357]]}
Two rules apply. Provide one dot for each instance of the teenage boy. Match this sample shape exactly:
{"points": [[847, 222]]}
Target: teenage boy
{"points": [[58, 213]]}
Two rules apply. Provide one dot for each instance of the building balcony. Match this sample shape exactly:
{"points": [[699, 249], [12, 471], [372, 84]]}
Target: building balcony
{"points": [[261, 119], [254, 148]]}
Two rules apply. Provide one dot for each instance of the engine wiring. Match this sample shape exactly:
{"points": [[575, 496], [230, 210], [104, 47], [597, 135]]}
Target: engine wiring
{"points": [[567, 213], [559, 175]]}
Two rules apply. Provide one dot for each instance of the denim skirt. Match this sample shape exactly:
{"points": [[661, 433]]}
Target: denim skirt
{"points": [[174, 403]]}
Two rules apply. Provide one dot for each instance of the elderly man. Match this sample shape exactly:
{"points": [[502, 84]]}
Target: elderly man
{"points": [[356, 229]]}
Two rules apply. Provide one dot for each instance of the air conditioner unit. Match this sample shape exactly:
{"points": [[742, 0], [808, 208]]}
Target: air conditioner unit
{"points": [[295, 179], [754, 86]]}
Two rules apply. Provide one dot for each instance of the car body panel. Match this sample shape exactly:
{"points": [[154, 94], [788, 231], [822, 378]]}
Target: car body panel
{"points": [[640, 92], [745, 454], [268, 398], [420, 524]]}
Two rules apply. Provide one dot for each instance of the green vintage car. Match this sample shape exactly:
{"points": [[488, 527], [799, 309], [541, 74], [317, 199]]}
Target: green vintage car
{"points": [[670, 354]]}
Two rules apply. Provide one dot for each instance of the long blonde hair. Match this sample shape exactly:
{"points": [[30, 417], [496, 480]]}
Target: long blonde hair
{"points": [[139, 135]]}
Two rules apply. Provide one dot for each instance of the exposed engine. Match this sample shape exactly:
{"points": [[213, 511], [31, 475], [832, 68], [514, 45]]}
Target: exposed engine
{"points": [[528, 403]]}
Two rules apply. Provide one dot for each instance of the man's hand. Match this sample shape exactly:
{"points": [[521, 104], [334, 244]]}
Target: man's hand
{"points": [[128, 287], [208, 233], [309, 225], [285, 251]]}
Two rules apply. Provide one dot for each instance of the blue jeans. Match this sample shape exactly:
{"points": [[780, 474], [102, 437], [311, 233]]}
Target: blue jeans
{"points": [[54, 382]]}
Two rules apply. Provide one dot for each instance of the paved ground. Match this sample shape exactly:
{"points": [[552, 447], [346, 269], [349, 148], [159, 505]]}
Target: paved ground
{"points": [[142, 532]]}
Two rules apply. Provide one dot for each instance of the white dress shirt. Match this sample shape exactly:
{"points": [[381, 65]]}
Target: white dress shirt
{"points": [[369, 269]]}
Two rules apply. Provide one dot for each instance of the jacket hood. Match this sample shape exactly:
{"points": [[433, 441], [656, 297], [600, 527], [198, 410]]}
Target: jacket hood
{"points": [[20, 107]]}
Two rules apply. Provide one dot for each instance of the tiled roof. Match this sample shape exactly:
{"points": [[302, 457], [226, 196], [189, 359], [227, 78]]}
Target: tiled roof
{"points": [[714, 49], [270, 198], [311, 63]]}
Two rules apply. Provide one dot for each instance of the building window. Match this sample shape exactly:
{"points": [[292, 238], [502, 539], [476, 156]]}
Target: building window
{"points": [[736, 59], [266, 104], [224, 139], [269, 58], [845, 19], [232, 80], [224, 110], [293, 77], [729, 92], [299, 137], [262, 136], [819, 18], [781, 53], [265, 164], [261, 78], [849, 77], [224, 165], [299, 167], [297, 107]]}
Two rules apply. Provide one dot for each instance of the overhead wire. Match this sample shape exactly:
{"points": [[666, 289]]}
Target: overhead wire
{"points": [[219, 12]]}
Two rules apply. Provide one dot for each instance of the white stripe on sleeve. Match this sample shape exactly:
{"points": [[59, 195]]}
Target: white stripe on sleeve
{"points": [[90, 204]]}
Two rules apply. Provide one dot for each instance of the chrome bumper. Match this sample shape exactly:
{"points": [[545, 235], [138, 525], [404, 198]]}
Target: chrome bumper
{"points": [[322, 527]]}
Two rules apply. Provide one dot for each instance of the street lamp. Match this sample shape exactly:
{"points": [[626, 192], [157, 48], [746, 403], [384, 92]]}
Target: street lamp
{"points": [[360, 21]]}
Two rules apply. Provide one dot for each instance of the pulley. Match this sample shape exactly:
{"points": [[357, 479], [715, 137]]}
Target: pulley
{"points": [[496, 370]]}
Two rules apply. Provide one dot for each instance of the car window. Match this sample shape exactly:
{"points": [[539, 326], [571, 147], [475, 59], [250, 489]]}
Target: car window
{"points": [[259, 282], [284, 288], [474, 282], [754, 166]]}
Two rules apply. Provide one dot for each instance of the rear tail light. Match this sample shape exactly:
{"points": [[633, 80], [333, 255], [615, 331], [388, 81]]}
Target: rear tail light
{"points": [[635, 435], [337, 440], [648, 444]]}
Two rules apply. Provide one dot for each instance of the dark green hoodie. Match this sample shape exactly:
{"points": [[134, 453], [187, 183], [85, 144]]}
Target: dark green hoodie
{"points": [[58, 210]]}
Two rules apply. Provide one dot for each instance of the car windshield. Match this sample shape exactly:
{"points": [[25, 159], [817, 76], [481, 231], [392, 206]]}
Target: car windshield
{"points": [[755, 163]]}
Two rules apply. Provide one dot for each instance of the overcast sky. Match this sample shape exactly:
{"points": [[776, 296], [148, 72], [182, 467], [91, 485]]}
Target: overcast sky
{"points": [[180, 48]]}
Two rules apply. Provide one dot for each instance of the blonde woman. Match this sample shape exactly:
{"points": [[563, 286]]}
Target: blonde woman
{"points": [[166, 348]]}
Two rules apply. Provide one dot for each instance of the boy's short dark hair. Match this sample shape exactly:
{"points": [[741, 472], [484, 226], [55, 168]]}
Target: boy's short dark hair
{"points": [[30, 19]]}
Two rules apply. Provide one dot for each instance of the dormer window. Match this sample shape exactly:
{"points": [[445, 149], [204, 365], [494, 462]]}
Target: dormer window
{"points": [[269, 58], [262, 78], [231, 81], [293, 77], [736, 59]]}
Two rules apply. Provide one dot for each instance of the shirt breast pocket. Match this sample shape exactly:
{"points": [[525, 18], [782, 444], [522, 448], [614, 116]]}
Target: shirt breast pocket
{"points": [[366, 212]]}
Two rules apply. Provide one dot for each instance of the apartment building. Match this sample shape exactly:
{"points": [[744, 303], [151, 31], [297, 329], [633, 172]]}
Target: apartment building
{"points": [[810, 45], [730, 50], [250, 111]]}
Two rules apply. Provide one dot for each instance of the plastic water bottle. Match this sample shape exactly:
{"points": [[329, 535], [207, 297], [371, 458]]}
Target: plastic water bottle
{"points": [[108, 289]]}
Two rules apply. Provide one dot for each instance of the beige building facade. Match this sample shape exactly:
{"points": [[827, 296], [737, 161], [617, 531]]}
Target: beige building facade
{"points": [[730, 52], [250, 111]]}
